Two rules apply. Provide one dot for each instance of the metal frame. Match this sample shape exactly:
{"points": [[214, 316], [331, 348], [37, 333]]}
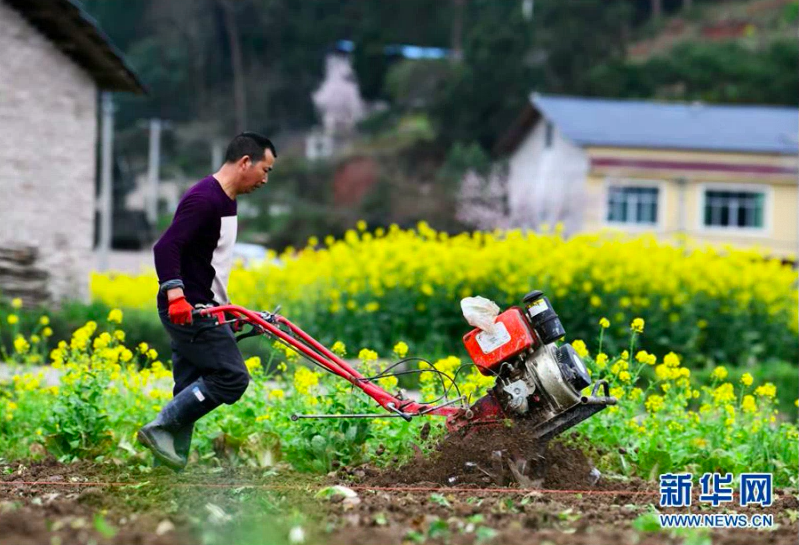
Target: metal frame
{"points": [[318, 353]]}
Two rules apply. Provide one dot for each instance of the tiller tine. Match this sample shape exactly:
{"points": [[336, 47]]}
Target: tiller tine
{"points": [[488, 411]]}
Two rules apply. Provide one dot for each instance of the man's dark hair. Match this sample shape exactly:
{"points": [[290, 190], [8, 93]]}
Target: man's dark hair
{"points": [[251, 144]]}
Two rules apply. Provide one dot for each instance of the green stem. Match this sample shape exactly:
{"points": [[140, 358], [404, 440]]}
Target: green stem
{"points": [[601, 336]]}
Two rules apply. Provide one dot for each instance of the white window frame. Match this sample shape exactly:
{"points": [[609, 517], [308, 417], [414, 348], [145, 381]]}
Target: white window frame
{"points": [[768, 199], [660, 185]]}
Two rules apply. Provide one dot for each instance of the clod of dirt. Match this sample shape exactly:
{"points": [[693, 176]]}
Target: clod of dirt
{"points": [[425, 431], [496, 456]]}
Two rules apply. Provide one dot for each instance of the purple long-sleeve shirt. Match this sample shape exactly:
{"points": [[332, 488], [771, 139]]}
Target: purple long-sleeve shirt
{"points": [[196, 251]]}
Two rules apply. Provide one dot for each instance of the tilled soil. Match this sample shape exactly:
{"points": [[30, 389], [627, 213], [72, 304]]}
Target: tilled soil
{"points": [[491, 483], [496, 456], [458, 517], [85, 503], [417, 503], [34, 514]]}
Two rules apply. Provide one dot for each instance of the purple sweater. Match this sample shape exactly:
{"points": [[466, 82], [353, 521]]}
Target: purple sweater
{"points": [[196, 252]]}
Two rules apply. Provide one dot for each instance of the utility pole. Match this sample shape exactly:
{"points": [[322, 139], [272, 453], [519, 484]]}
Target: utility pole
{"points": [[153, 170], [216, 155], [527, 9], [106, 180], [657, 9], [457, 30]]}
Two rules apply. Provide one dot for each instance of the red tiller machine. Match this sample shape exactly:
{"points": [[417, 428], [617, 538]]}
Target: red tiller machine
{"points": [[537, 381]]}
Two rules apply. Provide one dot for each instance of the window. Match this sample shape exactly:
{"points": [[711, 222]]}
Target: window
{"points": [[736, 209], [635, 205]]}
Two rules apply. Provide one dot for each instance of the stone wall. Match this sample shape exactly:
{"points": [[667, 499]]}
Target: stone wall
{"points": [[48, 131]]}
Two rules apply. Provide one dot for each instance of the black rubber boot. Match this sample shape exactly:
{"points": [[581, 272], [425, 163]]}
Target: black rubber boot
{"points": [[182, 442], [161, 435]]}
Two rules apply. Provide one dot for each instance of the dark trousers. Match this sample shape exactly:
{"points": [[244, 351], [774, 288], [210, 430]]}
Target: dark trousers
{"points": [[214, 356]]}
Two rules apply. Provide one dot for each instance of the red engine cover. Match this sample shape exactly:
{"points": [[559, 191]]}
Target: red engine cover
{"points": [[513, 336]]}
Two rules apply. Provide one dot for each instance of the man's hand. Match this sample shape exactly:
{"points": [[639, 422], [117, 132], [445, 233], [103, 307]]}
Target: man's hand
{"points": [[180, 311]]}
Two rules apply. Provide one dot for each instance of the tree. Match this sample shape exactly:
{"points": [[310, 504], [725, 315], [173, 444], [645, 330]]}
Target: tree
{"points": [[573, 36], [711, 72]]}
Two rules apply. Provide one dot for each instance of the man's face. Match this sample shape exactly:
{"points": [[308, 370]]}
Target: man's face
{"points": [[254, 175]]}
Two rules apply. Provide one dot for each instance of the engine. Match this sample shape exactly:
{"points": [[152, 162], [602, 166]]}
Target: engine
{"points": [[535, 378]]}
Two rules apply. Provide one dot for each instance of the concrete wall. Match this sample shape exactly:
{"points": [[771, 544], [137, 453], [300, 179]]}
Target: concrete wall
{"points": [[545, 184], [681, 205], [48, 131]]}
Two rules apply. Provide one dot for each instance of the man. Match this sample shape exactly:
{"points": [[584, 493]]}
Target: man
{"points": [[193, 260]]}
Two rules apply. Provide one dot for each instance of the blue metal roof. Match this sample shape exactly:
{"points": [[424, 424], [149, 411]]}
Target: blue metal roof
{"points": [[406, 51], [635, 123]]}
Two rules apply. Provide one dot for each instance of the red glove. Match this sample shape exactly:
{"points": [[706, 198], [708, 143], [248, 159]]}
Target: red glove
{"points": [[180, 311]]}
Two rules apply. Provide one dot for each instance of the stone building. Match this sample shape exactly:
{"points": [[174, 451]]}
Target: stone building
{"points": [[53, 62]]}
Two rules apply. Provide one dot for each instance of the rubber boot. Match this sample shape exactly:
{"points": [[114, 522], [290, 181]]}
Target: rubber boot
{"points": [[184, 410], [182, 441]]}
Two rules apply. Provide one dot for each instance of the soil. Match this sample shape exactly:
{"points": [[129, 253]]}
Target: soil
{"points": [[105, 503], [496, 456]]}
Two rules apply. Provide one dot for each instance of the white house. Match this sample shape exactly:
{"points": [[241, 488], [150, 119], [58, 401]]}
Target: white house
{"points": [[722, 174]]}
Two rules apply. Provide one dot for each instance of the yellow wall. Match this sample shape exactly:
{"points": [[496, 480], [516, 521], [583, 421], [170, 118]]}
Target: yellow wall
{"points": [[781, 212]]}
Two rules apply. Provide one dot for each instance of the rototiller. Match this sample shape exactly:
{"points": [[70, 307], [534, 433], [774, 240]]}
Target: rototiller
{"points": [[537, 381]]}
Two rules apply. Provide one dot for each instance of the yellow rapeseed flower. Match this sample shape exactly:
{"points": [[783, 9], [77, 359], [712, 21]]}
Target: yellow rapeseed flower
{"points": [[654, 403], [366, 355], [746, 379], [305, 380], [339, 349], [580, 348], [767, 390], [253, 364], [21, 345], [671, 360], [604, 323], [276, 394], [115, 316], [16, 303], [47, 332], [13, 319], [719, 373], [44, 320], [401, 349], [723, 394], [637, 325], [601, 360], [748, 404]]}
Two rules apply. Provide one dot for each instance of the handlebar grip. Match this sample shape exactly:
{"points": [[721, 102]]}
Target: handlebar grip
{"points": [[196, 313]]}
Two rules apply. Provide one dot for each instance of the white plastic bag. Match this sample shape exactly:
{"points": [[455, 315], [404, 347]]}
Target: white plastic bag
{"points": [[480, 312]]}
